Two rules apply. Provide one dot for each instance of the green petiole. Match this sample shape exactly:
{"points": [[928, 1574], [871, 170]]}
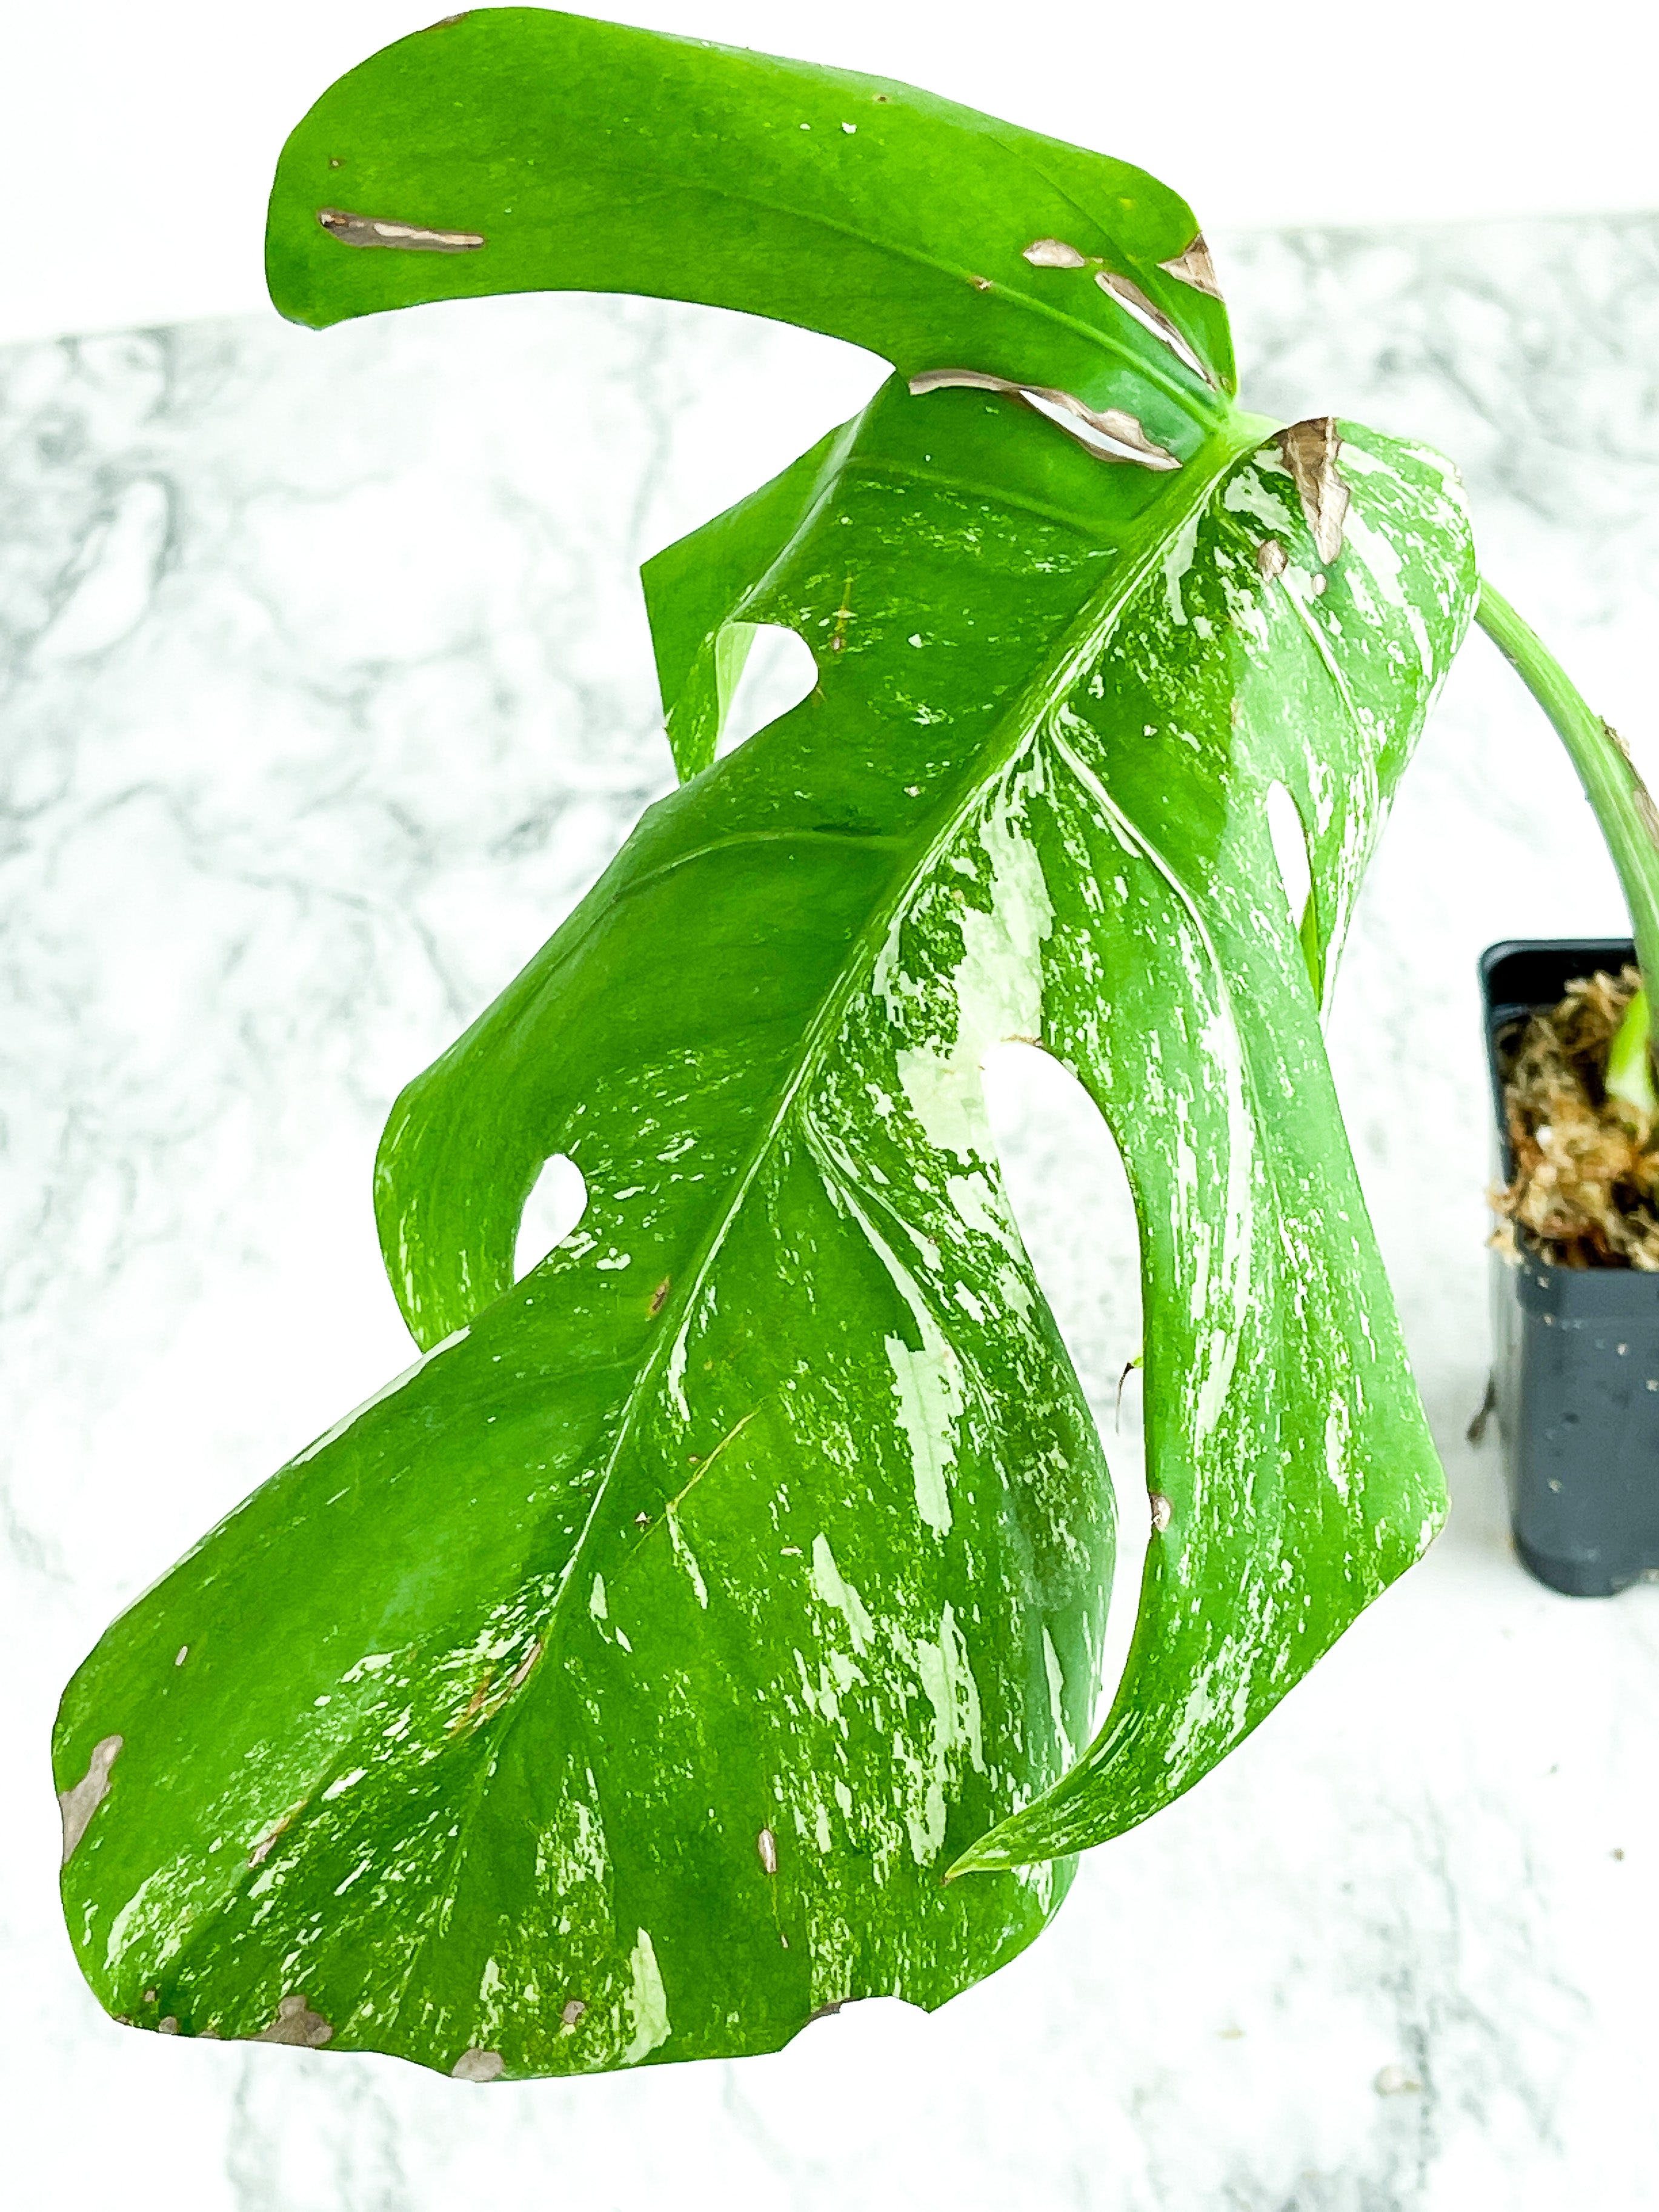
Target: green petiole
{"points": [[1625, 812]]}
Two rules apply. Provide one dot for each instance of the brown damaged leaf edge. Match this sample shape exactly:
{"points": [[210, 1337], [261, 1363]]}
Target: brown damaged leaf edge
{"points": [[478, 2066], [1194, 267], [78, 1803], [1111, 423], [295, 2023], [401, 237], [1310, 451]]}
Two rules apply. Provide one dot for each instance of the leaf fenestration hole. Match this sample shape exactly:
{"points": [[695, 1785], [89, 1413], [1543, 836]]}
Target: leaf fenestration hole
{"points": [[557, 1201], [1072, 1202], [778, 674], [1290, 840]]}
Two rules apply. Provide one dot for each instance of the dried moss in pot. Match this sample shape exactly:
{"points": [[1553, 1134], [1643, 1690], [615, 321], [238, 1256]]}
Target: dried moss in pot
{"points": [[1586, 1155], [1576, 1314]]}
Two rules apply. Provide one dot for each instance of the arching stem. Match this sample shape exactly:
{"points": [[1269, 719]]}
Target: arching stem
{"points": [[1625, 812]]}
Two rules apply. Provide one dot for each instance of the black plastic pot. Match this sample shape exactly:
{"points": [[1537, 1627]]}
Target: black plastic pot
{"points": [[1575, 1350]]}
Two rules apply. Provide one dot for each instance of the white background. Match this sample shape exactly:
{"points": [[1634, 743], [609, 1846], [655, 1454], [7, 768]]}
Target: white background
{"points": [[137, 142]]}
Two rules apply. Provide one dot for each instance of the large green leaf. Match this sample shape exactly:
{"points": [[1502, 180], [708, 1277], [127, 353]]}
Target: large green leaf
{"points": [[621, 1685], [590, 157]]}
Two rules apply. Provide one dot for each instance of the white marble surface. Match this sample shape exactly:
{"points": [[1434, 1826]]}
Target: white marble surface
{"points": [[327, 689]]}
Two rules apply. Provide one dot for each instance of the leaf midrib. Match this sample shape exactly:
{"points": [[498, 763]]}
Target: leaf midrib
{"points": [[1082, 641]]}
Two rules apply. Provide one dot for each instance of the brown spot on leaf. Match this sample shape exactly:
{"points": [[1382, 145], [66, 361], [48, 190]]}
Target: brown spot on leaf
{"points": [[520, 1674], [1053, 254], [571, 2012], [1194, 267], [1121, 430], [1643, 797], [477, 2065], [78, 1803], [1161, 1512], [660, 1296], [1271, 559], [843, 615], [766, 1849], [402, 237], [168, 2027], [980, 283], [1150, 317], [297, 2024], [1310, 451], [473, 1706], [826, 2011], [267, 1842]]}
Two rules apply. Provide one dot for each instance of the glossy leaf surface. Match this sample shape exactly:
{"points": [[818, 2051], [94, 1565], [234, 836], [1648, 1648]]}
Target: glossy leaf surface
{"points": [[586, 156], [629, 1677]]}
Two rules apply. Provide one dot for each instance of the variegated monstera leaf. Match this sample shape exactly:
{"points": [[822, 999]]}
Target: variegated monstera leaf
{"points": [[624, 1682]]}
